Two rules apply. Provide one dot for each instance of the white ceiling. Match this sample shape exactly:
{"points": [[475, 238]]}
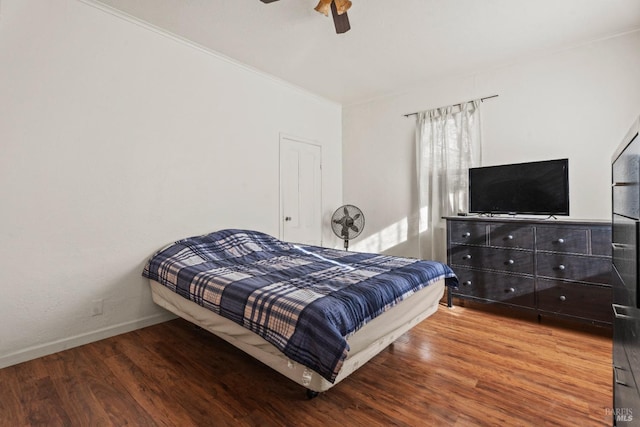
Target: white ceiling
{"points": [[393, 45]]}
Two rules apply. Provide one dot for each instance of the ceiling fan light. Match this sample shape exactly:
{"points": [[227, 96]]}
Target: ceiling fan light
{"points": [[342, 6], [324, 6]]}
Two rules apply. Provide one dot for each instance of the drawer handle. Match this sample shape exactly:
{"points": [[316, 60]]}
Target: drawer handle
{"points": [[561, 240], [511, 262], [563, 298], [621, 312], [616, 378], [509, 237], [467, 256], [512, 290], [561, 267], [467, 234], [467, 283], [618, 246], [623, 184]]}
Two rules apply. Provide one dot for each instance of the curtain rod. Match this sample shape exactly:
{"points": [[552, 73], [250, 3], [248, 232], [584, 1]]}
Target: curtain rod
{"points": [[454, 105]]}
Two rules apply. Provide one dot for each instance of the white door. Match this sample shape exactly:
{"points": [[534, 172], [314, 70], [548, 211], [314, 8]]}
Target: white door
{"points": [[300, 191]]}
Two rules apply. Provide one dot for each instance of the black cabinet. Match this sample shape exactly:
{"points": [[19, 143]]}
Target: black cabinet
{"points": [[549, 267], [625, 176]]}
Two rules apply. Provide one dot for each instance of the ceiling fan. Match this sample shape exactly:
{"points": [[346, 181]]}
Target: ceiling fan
{"points": [[338, 11]]}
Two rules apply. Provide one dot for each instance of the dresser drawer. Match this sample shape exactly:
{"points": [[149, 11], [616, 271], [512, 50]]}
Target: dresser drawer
{"points": [[626, 396], [601, 241], [508, 260], [627, 328], [625, 199], [625, 253], [511, 236], [471, 233], [562, 239], [621, 294], [574, 267], [575, 299], [508, 289], [626, 180]]}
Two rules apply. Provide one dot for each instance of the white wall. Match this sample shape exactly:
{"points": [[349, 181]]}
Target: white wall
{"points": [[577, 103], [115, 140]]}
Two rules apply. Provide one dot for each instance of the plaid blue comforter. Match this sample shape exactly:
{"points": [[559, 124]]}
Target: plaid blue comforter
{"points": [[305, 300]]}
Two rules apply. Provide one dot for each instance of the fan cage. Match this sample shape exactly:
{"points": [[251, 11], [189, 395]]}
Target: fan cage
{"points": [[347, 222]]}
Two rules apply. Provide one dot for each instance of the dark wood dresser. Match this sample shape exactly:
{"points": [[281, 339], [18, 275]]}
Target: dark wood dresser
{"points": [[549, 267], [626, 284]]}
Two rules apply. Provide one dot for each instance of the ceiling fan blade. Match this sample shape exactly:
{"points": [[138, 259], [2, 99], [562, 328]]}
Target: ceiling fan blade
{"points": [[341, 22], [323, 7]]}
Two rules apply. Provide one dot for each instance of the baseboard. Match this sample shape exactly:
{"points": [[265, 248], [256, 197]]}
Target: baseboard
{"points": [[82, 339]]}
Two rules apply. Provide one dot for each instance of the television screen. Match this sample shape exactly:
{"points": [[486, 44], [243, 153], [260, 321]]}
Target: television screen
{"points": [[536, 188]]}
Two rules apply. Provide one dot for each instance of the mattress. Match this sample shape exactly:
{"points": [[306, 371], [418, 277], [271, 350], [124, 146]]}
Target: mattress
{"points": [[364, 344]]}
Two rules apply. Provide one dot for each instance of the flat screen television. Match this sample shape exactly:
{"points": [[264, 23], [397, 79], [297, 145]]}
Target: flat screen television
{"points": [[533, 188]]}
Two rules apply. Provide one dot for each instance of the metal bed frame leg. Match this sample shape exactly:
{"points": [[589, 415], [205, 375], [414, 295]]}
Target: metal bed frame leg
{"points": [[312, 394], [449, 298]]}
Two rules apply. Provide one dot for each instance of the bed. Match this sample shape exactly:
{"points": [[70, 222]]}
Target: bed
{"points": [[313, 314]]}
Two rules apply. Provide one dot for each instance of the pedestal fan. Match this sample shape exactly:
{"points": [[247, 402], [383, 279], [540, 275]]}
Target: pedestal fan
{"points": [[347, 223]]}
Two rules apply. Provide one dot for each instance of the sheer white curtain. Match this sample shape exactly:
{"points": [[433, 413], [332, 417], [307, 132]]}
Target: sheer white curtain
{"points": [[448, 143]]}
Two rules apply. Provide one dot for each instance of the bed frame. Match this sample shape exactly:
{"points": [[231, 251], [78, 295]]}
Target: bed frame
{"points": [[364, 344]]}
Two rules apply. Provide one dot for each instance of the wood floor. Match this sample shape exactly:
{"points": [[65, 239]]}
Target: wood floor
{"points": [[460, 367]]}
